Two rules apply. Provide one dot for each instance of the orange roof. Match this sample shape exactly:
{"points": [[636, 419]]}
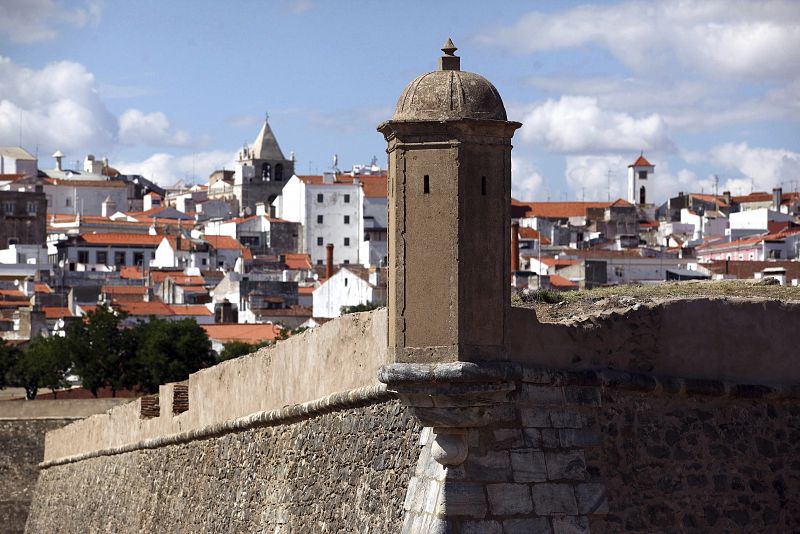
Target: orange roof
{"points": [[248, 333], [559, 281], [305, 290], [373, 185], [223, 242], [641, 161], [649, 224], [189, 309], [178, 277], [145, 309], [131, 272], [12, 294], [298, 261], [558, 263], [56, 312], [564, 210], [530, 233], [85, 183], [41, 287], [124, 290], [121, 239]]}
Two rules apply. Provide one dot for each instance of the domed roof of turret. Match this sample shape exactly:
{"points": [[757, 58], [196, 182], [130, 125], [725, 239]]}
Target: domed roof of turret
{"points": [[449, 94]]}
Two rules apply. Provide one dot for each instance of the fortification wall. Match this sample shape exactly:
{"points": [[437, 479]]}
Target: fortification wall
{"points": [[673, 417], [23, 425], [344, 471], [339, 356]]}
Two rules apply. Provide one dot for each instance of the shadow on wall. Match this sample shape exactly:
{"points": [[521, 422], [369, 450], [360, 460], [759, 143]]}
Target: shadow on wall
{"points": [[715, 338]]}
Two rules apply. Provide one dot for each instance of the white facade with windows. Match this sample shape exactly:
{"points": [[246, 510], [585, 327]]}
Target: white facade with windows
{"points": [[346, 288], [331, 211]]}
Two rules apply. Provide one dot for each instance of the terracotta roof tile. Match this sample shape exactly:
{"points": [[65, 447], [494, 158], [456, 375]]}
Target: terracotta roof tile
{"points": [[641, 161], [248, 333], [561, 210], [56, 312], [116, 238]]}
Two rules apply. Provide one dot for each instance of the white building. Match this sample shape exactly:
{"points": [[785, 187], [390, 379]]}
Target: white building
{"points": [[756, 220], [330, 208], [182, 251], [17, 160], [349, 286], [343, 209]]}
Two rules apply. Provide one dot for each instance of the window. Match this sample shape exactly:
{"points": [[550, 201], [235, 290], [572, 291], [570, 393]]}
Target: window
{"points": [[741, 256], [347, 199], [641, 195], [138, 258], [101, 257], [278, 172], [266, 172], [319, 241], [320, 198], [68, 202], [643, 175], [319, 262], [8, 207], [619, 272], [426, 184], [347, 219], [483, 185], [31, 208], [83, 256], [347, 241], [347, 262], [119, 259], [204, 261], [319, 219], [345, 282]]}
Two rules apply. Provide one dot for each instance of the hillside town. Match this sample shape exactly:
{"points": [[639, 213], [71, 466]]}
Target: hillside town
{"points": [[261, 249]]}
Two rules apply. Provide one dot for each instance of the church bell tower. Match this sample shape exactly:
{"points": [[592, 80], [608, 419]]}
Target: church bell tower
{"points": [[449, 147]]}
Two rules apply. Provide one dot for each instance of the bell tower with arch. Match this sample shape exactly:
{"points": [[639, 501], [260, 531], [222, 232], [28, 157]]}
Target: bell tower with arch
{"points": [[261, 171], [640, 181]]}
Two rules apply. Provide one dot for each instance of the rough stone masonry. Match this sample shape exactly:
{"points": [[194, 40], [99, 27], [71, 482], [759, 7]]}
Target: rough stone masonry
{"points": [[679, 417]]}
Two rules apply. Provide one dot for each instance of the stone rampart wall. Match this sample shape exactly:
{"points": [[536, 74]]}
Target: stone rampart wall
{"points": [[518, 448], [341, 471]]}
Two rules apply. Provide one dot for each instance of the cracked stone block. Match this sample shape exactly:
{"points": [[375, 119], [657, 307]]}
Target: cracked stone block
{"points": [[591, 498], [528, 465], [494, 466], [481, 527], [566, 465], [570, 525]]}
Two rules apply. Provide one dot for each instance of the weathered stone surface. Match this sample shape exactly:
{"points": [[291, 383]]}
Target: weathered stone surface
{"points": [[552, 498], [528, 465], [569, 465], [345, 471], [509, 499], [538, 525], [21, 449]]}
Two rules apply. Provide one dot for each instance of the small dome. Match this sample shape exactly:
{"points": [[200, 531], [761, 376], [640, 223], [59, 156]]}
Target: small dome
{"points": [[449, 94]]}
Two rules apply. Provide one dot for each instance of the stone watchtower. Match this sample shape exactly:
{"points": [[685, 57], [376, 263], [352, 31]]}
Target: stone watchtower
{"points": [[449, 198]]}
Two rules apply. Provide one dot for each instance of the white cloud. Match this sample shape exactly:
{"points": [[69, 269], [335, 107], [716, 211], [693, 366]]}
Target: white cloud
{"points": [[578, 124], [596, 177], [57, 106], [154, 129], [166, 169], [26, 21], [298, 7], [526, 181], [761, 168], [722, 37]]}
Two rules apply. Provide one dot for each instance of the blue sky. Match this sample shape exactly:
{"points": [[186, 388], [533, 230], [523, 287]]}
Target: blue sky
{"points": [[173, 89]]}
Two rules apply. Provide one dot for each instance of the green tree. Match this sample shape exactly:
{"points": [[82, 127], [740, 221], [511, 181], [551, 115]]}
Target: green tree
{"points": [[234, 349], [168, 351], [43, 362], [364, 306], [102, 351], [8, 361]]}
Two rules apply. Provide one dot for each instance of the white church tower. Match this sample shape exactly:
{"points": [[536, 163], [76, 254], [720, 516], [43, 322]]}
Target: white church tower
{"points": [[640, 179]]}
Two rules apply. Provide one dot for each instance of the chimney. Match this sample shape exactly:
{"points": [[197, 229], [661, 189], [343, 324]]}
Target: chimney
{"points": [[515, 247], [58, 155], [375, 275], [108, 207], [329, 261], [777, 194], [261, 208], [328, 178], [727, 196]]}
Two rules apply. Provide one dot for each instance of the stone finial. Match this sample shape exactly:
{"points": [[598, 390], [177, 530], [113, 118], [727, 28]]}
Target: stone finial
{"points": [[449, 61]]}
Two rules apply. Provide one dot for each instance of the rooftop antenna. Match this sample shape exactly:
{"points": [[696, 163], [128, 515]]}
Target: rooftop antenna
{"points": [[752, 185], [20, 128], [609, 174], [716, 185]]}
